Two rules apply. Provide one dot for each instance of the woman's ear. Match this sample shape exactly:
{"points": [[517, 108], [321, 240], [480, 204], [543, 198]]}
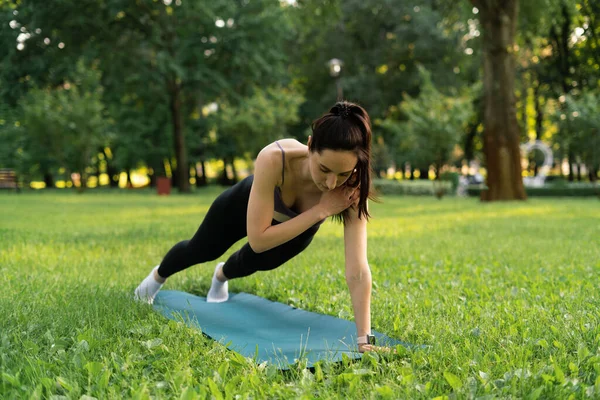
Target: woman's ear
{"points": [[353, 180], [309, 141]]}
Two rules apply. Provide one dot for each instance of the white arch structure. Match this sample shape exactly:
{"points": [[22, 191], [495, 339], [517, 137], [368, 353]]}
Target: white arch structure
{"points": [[538, 180]]}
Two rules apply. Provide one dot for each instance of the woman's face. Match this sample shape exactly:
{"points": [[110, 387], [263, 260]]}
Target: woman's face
{"points": [[331, 168]]}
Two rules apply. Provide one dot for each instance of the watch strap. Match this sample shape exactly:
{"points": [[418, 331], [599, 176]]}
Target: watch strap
{"points": [[367, 339]]}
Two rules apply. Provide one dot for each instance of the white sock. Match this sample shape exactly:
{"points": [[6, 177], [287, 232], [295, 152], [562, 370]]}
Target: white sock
{"points": [[219, 291], [148, 288]]}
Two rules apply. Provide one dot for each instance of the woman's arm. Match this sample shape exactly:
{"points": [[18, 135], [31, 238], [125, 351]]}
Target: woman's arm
{"points": [[358, 274], [261, 235]]}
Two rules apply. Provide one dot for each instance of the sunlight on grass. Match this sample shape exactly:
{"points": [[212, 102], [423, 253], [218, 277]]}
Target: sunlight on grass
{"points": [[504, 293]]}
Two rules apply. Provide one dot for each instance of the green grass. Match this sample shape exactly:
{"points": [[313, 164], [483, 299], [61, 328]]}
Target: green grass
{"points": [[506, 295]]}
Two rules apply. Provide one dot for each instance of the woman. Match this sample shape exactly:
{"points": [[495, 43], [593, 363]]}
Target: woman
{"points": [[295, 187]]}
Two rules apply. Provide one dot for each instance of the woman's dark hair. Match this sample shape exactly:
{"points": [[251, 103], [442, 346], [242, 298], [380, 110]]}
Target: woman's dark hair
{"points": [[347, 126]]}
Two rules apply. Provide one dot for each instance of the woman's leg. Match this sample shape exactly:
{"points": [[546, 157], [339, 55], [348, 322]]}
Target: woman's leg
{"points": [[245, 261], [223, 225]]}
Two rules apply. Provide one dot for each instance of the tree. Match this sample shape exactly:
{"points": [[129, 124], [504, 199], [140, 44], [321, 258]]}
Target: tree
{"points": [[380, 43], [65, 126], [501, 129], [13, 142], [579, 129], [242, 129], [140, 134], [195, 51], [203, 50], [435, 124], [558, 59]]}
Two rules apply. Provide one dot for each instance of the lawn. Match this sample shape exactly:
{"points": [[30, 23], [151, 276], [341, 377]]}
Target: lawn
{"points": [[505, 295]]}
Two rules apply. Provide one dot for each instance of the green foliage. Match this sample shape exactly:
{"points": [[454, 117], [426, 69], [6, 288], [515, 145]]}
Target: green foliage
{"points": [[160, 61], [380, 43], [558, 59], [157, 56], [536, 17], [452, 177], [245, 128], [410, 188], [506, 312], [63, 127], [153, 42], [435, 124], [11, 151], [550, 191], [141, 132], [578, 122]]}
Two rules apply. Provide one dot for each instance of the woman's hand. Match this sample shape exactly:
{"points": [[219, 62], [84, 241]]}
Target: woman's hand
{"points": [[337, 200], [362, 348]]}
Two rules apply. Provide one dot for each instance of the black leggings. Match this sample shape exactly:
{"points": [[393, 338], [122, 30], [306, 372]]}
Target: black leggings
{"points": [[223, 225]]}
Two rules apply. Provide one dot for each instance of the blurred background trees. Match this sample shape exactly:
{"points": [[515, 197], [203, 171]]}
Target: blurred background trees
{"points": [[101, 88]]}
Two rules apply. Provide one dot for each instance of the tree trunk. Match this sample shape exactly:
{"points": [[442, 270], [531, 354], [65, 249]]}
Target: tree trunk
{"points": [[470, 142], [233, 171], [525, 120], [181, 174], [438, 170], [502, 133], [128, 184], [539, 114], [48, 179], [224, 179], [592, 174], [472, 129], [98, 169], [201, 178], [111, 171], [174, 179], [539, 119], [560, 47], [82, 165], [424, 173], [571, 161], [158, 170]]}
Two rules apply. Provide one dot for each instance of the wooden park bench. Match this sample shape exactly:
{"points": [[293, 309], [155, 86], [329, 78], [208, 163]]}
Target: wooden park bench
{"points": [[8, 179]]}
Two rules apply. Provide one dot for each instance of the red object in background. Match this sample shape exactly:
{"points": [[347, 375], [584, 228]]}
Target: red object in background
{"points": [[163, 185]]}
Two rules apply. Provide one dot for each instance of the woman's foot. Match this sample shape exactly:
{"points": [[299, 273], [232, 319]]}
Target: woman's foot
{"points": [[219, 291], [149, 287]]}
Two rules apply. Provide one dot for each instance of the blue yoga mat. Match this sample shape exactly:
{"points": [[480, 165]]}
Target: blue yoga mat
{"points": [[270, 331]]}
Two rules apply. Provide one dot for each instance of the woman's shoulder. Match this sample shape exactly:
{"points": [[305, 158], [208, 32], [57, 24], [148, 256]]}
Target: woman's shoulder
{"points": [[280, 157], [290, 143], [291, 147], [270, 160]]}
